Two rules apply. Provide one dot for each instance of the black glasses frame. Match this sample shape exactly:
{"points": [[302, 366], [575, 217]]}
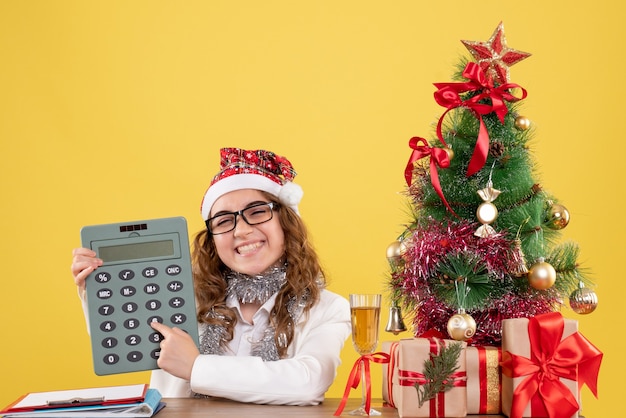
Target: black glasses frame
{"points": [[271, 205]]}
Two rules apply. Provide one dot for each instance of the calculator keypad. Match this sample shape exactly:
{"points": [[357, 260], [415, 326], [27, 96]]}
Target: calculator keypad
{"points": [[124, 300]]}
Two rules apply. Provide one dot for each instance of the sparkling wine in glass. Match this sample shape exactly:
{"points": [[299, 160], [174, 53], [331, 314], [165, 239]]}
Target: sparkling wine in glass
{"points": [[365, 315]]}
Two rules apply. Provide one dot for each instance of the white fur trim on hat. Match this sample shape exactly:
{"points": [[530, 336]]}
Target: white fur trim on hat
{"points": [[289, 194]]}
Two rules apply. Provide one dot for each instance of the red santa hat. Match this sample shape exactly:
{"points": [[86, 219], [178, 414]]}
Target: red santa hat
{"points": [[253, 169]]}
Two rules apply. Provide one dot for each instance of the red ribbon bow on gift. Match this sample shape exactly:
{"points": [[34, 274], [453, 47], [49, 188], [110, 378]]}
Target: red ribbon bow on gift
{"points": [[449, 97], [574, 358], [361, 367], [438, 157]]}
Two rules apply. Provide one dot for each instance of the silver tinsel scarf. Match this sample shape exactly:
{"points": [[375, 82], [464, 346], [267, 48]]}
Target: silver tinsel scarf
{"points": [[251, 289]]}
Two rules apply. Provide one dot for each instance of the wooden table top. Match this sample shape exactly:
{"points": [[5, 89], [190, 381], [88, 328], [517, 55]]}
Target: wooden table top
{"points": [[191, 407]]}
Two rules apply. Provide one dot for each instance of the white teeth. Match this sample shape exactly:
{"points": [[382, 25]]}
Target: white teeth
{"points": [[248, 248]]}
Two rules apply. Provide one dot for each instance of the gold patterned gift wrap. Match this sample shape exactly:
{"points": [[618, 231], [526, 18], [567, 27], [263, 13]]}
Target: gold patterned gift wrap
{"points": [[484, 380]]}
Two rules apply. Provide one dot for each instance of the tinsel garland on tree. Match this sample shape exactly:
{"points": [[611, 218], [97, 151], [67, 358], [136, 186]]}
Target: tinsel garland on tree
{"points": [[484, 233]]}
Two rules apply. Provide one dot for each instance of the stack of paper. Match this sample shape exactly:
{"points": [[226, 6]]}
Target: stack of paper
{"points": [[132, 401]]}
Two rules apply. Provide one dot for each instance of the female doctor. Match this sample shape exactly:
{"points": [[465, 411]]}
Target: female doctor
{"points": [[270, 332]]}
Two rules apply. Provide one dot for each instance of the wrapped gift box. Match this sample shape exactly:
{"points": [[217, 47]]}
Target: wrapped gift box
{"points": [[411, 355], [484, 380], [545, 361], [389, 371]]}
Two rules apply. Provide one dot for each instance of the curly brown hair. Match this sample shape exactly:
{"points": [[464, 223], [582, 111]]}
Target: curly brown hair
{"points": [[305, 279]]}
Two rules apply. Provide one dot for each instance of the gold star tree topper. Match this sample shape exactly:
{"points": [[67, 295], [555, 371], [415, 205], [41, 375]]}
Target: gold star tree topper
{"points": [[494, 56]]}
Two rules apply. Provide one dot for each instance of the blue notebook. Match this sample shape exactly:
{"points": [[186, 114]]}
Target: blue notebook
{"points": [[132, 401]]}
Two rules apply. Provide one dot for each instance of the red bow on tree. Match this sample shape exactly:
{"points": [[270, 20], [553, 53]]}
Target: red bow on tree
{"points": [[449, 97], [438, 157], [573, 358]]}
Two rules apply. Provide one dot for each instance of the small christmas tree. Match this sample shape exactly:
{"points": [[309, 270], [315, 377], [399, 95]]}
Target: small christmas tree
{"points": [[482, 245]]}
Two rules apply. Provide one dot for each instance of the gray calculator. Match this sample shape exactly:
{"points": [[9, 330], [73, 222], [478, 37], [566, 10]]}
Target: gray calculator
{"points": [[146, 276]]}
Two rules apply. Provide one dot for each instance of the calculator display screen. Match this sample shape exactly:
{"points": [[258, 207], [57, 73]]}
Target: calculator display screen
{"points": [[137, 250]]}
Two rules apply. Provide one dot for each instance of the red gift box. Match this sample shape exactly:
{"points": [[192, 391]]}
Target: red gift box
{"points": [[411, 355], [484, 380], [545, 363]]}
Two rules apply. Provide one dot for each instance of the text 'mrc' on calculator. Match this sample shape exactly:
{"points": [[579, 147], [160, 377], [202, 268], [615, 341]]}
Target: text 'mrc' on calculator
{"points": [[146, 276]]}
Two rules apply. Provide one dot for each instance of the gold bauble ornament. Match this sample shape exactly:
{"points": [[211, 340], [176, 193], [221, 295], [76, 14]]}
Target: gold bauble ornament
{"points": [[541, 275], [461, 326], [583, 300], [450, 153], [522, 123], [558, 217], [395, 250]]}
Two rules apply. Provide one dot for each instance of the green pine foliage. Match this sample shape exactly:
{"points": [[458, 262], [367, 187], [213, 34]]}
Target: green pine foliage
{"points": [[438, 371], [463, 279]]}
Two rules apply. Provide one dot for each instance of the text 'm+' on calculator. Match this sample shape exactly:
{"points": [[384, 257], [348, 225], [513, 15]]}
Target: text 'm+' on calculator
{"points": [[146, 276]]}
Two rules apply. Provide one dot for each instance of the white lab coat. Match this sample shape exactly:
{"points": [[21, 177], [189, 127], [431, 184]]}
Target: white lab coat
{"points": [[300, 379]]}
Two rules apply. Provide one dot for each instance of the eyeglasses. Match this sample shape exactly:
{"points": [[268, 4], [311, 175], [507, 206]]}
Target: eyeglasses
{"points": [[253, 215]]}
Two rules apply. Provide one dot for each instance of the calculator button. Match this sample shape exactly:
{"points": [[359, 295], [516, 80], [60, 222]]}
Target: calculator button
{"points": [[106, 310], [155, 319], [175, 286], [126, 274], [104, 293], [130, 307], [177, 302], [134, 356], [173, 270], [155, 337], [178, 318], [131, 323], [153, 305], [128, 291], [102, 277], [111, 359], [151, 289], [149, 272], [155, 354], [107, 326], [133, 340], [109, 342]]}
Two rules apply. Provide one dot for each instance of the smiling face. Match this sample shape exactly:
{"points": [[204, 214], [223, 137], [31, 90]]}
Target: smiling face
{"points": [[248, 249]]}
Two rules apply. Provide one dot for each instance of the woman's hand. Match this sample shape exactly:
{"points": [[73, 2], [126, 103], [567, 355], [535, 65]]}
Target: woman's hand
{"points": [[84, 261], [178, 351]]}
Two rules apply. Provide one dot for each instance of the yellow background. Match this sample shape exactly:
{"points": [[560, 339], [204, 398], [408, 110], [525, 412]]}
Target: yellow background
{"points": [[115, 110]]}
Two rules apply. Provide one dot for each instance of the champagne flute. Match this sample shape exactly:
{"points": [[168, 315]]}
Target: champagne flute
{"points": [[365, 315]]}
